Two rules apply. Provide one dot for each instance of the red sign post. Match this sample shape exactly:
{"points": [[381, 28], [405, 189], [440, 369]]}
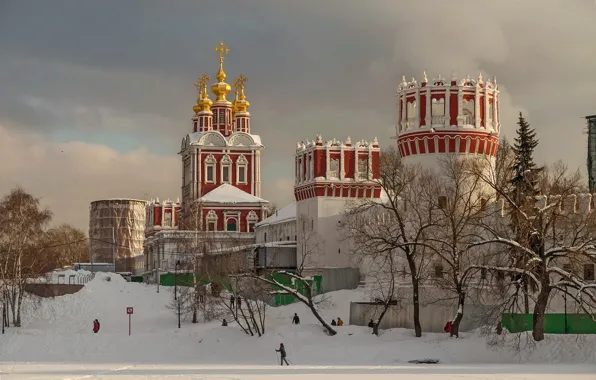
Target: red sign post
{"points": [[129, 311]]}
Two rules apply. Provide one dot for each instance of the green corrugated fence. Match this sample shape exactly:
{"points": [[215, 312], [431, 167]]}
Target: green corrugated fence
{"points": [[553, 323]]}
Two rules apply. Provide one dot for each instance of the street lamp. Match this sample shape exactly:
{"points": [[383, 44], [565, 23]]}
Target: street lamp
{"points": [[176, 289]]}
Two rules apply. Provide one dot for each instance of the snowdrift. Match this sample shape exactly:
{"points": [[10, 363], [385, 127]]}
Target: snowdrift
{"points": [[59, 330]]}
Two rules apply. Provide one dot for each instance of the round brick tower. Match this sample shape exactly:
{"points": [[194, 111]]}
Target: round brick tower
{"points": [[440, 117]]}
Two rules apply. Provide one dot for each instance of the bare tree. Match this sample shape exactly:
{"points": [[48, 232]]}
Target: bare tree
{"points": [[458, 197], [555, 235], [309, 244], [66, 245], [21, 227], [385, 233]]}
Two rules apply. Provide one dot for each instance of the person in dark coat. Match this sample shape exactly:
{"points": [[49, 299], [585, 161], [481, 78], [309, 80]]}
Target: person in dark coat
{"points": [[232, 301], [95, 326], [224, 322], [333, 322], [282, 354], [296, 319], [371, 324]]}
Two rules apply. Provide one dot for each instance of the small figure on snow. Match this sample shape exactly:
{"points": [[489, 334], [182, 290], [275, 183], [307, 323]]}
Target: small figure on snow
{"points": [[333, 322], [232, 300], [95, 326], [282, 354], [239, 302], [296, 319], [340, 322], [447, 327], [371, 324], [224, 322]]}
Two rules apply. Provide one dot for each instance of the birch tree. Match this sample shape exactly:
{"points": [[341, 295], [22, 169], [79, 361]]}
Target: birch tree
{"points": [[22, 223]]}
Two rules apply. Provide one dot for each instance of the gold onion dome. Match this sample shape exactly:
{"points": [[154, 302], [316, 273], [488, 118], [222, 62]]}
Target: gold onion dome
{"points": [[197, 107], [241, 104], [221, 89], [204, 102]]}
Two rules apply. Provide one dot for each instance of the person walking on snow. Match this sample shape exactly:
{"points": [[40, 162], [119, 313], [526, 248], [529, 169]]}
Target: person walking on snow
{"points": [[296, 319], [282, 354], [95, 326]]}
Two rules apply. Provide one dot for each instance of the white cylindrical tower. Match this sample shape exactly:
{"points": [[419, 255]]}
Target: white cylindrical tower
{"points": [[440, 117]]}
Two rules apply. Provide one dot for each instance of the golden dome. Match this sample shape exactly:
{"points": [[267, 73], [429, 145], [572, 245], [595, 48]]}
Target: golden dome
{"points": [[241, 103], [204, 102], [197, 107], [221, 89]]}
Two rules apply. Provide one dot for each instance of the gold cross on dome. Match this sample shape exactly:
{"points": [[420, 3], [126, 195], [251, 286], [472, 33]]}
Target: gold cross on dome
{"points": [[199, 85], [204, 79], [222, 49], [241, 80]]}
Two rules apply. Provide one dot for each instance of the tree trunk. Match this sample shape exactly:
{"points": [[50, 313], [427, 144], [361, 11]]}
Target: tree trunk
{"points": [[315, 312], [526, 296], [460, 314], [539, 311], [416, 301], [376, 325], [17, 321]]}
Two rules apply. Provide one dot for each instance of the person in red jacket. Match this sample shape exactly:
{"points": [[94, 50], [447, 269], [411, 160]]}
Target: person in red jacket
{"points": [[447, 327], [95, 326]]}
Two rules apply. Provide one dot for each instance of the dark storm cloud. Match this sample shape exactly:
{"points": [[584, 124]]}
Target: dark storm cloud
{"points": [[313, 66]]}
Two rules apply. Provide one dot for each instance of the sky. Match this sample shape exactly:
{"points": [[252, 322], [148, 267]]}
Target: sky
{"points": [[96, 96]]}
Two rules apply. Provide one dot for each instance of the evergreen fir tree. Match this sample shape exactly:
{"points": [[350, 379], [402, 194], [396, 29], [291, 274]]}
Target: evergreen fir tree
{"points": [[525, 184], [525, 168]]}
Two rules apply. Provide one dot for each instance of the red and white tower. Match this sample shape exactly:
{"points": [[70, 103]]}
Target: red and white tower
{"points": [[221, 159], [327, 176], [440, 117]]}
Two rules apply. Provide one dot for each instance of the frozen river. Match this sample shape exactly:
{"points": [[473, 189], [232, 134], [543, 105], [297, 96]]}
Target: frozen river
{"points": [[45, 371]]}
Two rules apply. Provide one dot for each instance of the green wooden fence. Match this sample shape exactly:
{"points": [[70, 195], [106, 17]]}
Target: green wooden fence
{"points": [[186, 279], [553, 323]]}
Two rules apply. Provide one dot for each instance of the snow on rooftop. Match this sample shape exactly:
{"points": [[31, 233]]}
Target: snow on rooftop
{"points": [[285, 214], [227, 193]]}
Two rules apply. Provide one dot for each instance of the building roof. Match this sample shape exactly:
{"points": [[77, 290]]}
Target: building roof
{"points": [[227, 193], [286, 214]]}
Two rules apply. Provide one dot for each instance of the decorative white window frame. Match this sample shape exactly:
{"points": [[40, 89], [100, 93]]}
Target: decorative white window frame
{"points": [[242, 166], [211, 218], [251, 219], [210, 162], [225, 162], [362, 174]]}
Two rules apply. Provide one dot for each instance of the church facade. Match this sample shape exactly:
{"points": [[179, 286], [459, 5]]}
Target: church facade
{"points": [[221, 178]]}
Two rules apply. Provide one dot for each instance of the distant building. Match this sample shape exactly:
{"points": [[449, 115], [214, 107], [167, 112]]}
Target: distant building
{"points": [[591, 152], [275, 241], [116, 231]]}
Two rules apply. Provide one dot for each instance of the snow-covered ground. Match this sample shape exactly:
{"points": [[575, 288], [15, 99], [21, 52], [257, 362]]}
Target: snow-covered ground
{"points": [[56, 342]]}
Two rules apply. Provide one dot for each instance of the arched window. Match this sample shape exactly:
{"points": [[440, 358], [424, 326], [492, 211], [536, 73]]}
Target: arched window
{"points": [[468, 109], [211, 221], [232, 225], [226, 169], [251, 219], [241, 170], [210, 162]]}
